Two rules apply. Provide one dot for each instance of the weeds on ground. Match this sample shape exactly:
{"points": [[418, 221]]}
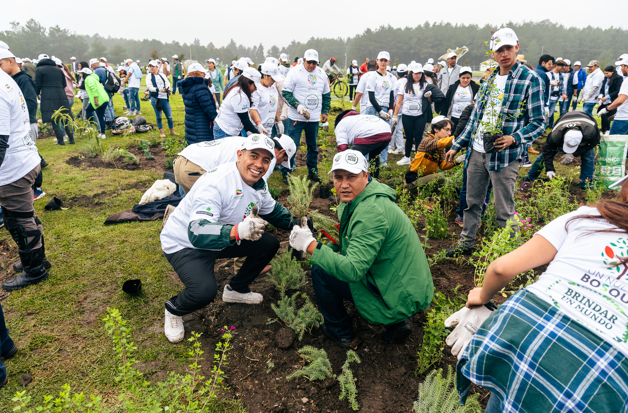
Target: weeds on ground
{"points": [[439, 395], [287, 273], [305, 319], [347, 382], [319, 367], [497, 245], [594, 193], [144, 145], [436, 222], [550, 200]]}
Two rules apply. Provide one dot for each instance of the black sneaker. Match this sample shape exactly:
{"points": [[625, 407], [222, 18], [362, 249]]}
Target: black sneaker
{"points": [[9, 354], [457, 251], [397, 333], [285, 179], [342, 342], [314, 178]]}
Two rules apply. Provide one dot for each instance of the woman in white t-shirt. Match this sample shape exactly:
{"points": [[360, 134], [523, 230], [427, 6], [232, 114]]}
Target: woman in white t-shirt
{"points": [[353, 73], [567, 333], [159, 89], [265, 99], [236, 103], [459, 95]]}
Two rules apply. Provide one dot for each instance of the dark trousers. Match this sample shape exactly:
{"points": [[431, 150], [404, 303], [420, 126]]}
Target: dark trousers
{"points": [[174, 85], [217, 96], [58, 127], [575, 100], [330, 293], [352, 91], [606, 122], [414, 127], [6, 344], [462, 203], [195, 268], [587, 168], [100, 115], [294, 130], [371, 151]]}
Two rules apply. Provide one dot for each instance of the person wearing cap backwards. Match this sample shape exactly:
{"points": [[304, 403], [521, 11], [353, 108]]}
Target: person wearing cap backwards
{"points": [[353, 72], [579, 79], [329, 67], [223, 216], [498, 160], [133, 77], [19, 168], [591, 87], [577, 134], [307, 93], [216, 77], [560, 344], [378, 262], [459, 95], [236, 105], [451, 74], [620, 124], [158, 86], [177, 73]]}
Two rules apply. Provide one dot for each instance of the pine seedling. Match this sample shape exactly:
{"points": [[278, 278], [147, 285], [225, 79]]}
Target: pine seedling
{"points": [[325, 223], [301, 195], [287, 273], [319, 367], [347, 382], [306, 318], [439, 395]]}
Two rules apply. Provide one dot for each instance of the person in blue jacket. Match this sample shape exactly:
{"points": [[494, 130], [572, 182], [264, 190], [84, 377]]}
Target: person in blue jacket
{"points": [[546, 63], [200, 106], [582, 79]]}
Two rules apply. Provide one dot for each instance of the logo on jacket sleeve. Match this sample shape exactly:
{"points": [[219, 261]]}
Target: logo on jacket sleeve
{"points": [[238, 192]]}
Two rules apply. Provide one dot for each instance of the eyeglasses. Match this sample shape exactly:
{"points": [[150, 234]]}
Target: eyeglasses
{"points": [[311, 62]]}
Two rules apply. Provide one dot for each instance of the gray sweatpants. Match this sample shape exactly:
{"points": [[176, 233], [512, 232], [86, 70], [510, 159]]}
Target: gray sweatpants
{"points": [[478, 177]]}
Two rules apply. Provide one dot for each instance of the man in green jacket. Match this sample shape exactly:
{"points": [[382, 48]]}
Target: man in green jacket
{"points": [[381, 266]]}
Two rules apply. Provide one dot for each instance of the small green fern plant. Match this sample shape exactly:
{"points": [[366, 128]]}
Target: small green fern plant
{"points": [[347, 382], [319, 367], [306, 318], [439, 395], [287, 273], [301, 195]]}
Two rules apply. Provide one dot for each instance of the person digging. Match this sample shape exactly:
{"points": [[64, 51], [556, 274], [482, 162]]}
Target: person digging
{"points": [[219, 219], [379, 263]]}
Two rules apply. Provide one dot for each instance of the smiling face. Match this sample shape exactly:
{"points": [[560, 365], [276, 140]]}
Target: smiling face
{"points": [[349, 185], [253, 164], [465, 80]]}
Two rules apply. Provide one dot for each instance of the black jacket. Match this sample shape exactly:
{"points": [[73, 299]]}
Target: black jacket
{"points": [[613, 90], [571, 120], [464, 119], [200, 109], [445, 107], [50, 85], [27, 86]]}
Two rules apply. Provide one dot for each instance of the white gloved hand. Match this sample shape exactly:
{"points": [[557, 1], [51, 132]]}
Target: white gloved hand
{"points": [[280, 127], [283, 117], [384, 115], [395, 121], [566, 159], [353, 107], [302, 111], [427, 94], [301, 237], [602, 111], [546, 111], [460, 159], [551, 174], [249, 133], [468, 321], [262, 129], [252, 227]]}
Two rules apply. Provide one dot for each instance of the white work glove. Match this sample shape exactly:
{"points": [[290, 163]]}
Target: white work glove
{"points": [[280, 127], [395, 121], [602, 111], [427, 94], [551, 175], [301, 237], [283, 117], [353, 107], [384, 115], [262, 129], [249, 133], [468, 321], [554, 82], [460, 159], [566, 159], [252, 227], [546, 110], [302, 111]]}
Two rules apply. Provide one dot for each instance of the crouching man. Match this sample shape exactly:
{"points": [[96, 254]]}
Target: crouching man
{"points": [[218, 219], [381, 266]]}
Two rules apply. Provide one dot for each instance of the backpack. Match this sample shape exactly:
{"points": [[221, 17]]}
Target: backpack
{"points": [[112, 85], [139, 122]]}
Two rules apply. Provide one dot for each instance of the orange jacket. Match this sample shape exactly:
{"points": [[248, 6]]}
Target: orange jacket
{"points": [[431, 155]]}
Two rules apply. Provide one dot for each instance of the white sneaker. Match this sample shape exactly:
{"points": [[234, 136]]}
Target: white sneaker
{"points": [[173, 328], [232, 296], [103, 136], [404, 161], [398, 151], [391, 151]]}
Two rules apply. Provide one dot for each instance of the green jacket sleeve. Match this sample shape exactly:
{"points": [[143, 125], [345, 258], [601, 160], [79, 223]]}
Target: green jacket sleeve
{"points": [[280, 217], [290, 99], [209, 235], [326, 103], [365, 239]]}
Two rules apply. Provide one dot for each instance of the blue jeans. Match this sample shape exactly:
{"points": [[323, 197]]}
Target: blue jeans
{"points": [[537, 168], [494, 404], [174, 85], [330, 293], [619, 127], [167, 111], [564, 107], [110, 115], [552, 108], [127, 103], [134, 98], [6, 344], [588, 108], [219, 133], [372, 111], [462, 203], [294, 130]]}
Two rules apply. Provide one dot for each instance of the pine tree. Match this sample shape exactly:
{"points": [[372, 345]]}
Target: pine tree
{"points": [[319, 367], [439, 395], [301, 195], [287, 273], [306, 318], [347, 382]]}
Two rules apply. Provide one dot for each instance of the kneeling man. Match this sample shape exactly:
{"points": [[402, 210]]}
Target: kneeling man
{"points": [[218, 219], [381, 266]]}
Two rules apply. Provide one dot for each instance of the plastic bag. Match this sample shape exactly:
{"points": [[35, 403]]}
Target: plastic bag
{"points": [[610, 163]]}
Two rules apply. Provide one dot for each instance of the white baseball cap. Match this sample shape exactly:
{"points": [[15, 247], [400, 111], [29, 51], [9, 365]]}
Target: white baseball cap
{"points": [[270, 69], [153, 63], [174, 56], [427, 68], [4, 51], [402, 67], [430, 61], [164, 59], [577, 63], [252, 74], [210, 60], [350, 161], [288, 144], [18, 60], [388, 69], [86, 70], [383, 55], [128, 60], [257, 141], [451, 54], [241, 64], [26, 59], [121, 68], [438, 118], [137, 61], [466, 69], [73, 58], [310, 55], [623, 60], [103, 58], [567, 62], [354, 62], [58, 61], [196, 67], [573, 137], [415, 68], [43, 56], [272, 60], [503, 37], [283, 57], [93, 61], [442, 63]]}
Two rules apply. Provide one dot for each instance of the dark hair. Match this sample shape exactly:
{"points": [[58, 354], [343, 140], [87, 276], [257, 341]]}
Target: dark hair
{"points": [[462, 73], [401, 75], [410, 82], [277, 143], [545, 58], [83, 65], [296, 59], [610, 69], [244, 84], [529, 66], [440, 125], [340, 116], [371, 65]]}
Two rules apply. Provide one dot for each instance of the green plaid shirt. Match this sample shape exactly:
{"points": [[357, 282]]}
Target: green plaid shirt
{"points": [[523, 95]]}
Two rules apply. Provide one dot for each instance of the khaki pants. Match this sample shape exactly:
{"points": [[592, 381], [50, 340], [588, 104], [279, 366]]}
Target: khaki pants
{"points": [[186, 173]]}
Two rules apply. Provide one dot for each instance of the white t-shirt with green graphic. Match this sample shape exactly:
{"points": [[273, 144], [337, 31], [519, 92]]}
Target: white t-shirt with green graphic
{"points": [[382, 85], [265, 101], [412, 102], [308, 89], [583, 280]]}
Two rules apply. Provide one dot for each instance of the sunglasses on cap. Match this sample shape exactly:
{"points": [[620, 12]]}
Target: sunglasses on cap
{"points": [[311, 62]]}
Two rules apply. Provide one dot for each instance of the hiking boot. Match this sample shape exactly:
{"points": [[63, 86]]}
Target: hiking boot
{"points": [[34, 271], [162, 134], [173, 327], [172, 132], [533, 151], [457, 251], [9, 354], [459, 222], [397, 333], [314, 178], [232, 296], [18, 267], [342, 342]]}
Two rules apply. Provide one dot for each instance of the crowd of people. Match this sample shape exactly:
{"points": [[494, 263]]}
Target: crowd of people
{"points": [[564, 336]]}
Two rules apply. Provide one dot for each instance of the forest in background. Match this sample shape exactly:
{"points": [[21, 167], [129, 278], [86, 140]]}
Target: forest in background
{"points": [[429, 40]]}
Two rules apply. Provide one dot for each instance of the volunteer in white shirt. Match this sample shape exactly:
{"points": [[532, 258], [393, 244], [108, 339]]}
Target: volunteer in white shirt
{"points": [[353, 73], [591, 87], [361, 96], [460, 95], [284, 65], [397, 133], [223, 216], [19, 167], [133, 77], [158, 86], [236, 103], [265, 99], [198, 158], [307, 93], [620, 124]]}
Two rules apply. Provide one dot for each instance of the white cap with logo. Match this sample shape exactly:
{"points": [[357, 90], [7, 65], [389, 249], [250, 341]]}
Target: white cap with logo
{"points": [[288, 144], [252, 74], [272, 60], [241, 64], [623, 60], [310, 55], [270, 69], [573, 137], [196, 67], [257, 141], [503, 37], [383, 55], [283, 57], [350, 161]]}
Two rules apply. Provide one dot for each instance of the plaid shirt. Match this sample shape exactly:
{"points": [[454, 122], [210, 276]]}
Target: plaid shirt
{"points": [[523, 94], [538, 360]]}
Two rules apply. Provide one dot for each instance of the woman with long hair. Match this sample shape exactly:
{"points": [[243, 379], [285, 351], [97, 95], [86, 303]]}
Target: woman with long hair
{"points": [[50, 85], [217, 79], [561, 343], [200, 106], [459, 95], [236, 103], [159, 88], [608, 93]]}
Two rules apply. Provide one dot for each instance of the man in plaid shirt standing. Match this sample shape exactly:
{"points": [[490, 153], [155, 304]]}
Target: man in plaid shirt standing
{"points": [[511, 100]]}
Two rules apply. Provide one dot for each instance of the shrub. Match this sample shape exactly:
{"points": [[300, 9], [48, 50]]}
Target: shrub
{"points": [[306, 318], [287, 273], [325, 223], [347, 382], [319, 367], [301, 195], [436, 222], [497, 245], [439, 395]]}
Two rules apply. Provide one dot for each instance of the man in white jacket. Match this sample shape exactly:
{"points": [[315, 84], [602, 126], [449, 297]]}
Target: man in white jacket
{"points": [[591, 87], [451, 74]]}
